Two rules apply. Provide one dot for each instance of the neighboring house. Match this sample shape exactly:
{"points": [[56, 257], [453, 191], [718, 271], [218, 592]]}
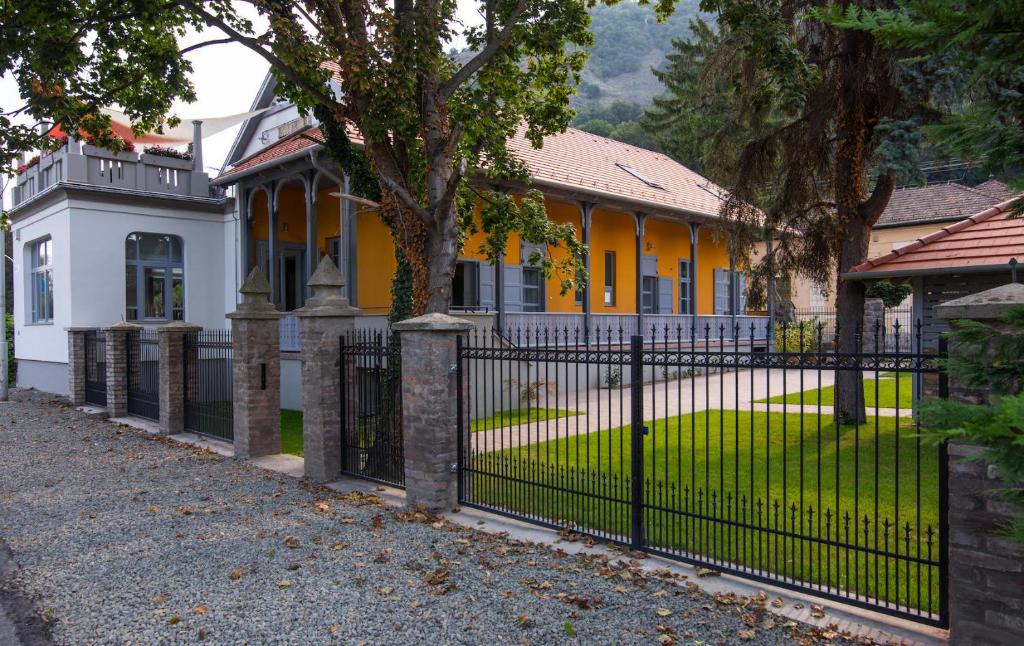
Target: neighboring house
{"points": [[912, 213], [652, 225], [959, 259], [102, 237]]}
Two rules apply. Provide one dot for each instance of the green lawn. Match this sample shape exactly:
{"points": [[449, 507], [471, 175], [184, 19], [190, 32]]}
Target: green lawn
{"points": [[882, 390], [516, 416], [291, 432], [710, 473]]}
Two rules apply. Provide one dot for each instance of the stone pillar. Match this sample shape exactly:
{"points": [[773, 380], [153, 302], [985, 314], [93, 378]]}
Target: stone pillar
{"points": [[171, 344], [986, 570], [429, 409], [76, 363], [117, 367], [873, 333], [256, 370], [326, 316]]}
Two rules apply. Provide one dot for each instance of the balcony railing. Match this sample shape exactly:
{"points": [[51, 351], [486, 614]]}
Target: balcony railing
{"points": [[90, 165]]}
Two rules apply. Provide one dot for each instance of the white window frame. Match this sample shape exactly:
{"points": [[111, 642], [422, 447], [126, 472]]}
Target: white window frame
{"points": [[609, 275], [41, 281], [685, 287], [537, 290]]}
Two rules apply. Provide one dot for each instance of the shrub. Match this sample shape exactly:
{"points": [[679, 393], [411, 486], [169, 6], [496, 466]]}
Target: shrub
{"points": [[992, 358], [163, 151], [798, 337], [612, 377], [12, 367], [891, 294]]}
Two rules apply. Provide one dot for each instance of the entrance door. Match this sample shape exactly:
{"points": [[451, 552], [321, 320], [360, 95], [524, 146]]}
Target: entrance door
{"points": [[291, 279]]}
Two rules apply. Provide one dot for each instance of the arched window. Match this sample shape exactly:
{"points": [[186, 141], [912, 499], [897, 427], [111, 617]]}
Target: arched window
{"points": [[154, 277]]}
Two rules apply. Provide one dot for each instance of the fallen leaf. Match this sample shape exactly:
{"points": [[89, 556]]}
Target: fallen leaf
{"points": [[333, 629], [284, 583], [174, 619], [199, 610], [291, 542], [747, 635], [664, 612], [524, 620], [236, 574], [569, 630], [817, 611]]}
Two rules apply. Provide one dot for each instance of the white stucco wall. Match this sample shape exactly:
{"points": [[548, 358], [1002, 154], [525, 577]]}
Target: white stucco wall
{"points": [[266, 122], [88, 233]]}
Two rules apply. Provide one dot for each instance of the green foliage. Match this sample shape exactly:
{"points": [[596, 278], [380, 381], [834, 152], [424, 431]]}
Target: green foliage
{"points": [[803, 336], [993, 358], [892, 294], [12, 366], [977, 43], [683, 120], [626, 35]]}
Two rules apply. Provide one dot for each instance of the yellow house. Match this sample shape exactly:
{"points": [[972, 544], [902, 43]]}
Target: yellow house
{"points": [[658, 254]]}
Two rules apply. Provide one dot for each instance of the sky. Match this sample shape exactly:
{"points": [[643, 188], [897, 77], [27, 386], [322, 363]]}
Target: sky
{"points": [[226, 79]]}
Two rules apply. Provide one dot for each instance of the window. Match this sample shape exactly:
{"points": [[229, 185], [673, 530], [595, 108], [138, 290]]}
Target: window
{"points": [[533, 290], [154, 278], [723, 291], [334, 250], [466, 285], [42, 280], [650, 294], [609, 278], [685, 288]]}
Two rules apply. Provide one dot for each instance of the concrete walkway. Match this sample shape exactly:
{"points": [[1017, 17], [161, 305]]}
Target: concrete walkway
{"points": [[602, 408]]}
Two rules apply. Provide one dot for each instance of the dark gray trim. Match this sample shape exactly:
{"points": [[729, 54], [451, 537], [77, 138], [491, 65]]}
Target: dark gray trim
{"points": [[941, 271], [64, 190], [639, 221]]}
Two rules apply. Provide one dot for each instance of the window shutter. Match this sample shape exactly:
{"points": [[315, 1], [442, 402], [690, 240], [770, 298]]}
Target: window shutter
{"points": [[513, 288], [741, 291], [526, 250], [721, 291], [649, 265], [665, 295], [487, 285]]}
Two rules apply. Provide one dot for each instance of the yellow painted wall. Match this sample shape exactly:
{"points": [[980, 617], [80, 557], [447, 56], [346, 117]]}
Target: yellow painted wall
{"points": [[610, 231]]}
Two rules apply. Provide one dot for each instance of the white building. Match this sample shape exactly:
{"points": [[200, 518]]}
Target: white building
{"points": [[102, 237]]}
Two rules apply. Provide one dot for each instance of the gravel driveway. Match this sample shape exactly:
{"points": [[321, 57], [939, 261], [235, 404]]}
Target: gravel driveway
{"points": [[121, 538]]}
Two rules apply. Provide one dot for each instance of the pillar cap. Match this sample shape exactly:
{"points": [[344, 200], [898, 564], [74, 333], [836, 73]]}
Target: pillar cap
{"points": [[178, 326], [433, 323], [327, 300], [991, 304], [255, 303], [122, 326]]}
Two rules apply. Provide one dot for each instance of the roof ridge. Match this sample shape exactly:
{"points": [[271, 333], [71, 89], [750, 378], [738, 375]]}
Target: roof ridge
{"points": [[944, 232]]}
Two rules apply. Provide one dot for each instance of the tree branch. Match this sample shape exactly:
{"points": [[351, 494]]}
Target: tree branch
{"points": [[406, 197], [486, 54], [871, 209], [192, 48]]}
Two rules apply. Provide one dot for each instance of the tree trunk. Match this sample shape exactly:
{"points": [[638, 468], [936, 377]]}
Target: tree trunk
{"points": [[849, 388]]}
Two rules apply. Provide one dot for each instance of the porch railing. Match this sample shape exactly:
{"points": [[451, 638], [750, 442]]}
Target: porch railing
{"points": [[675, 327], [290, 333]]}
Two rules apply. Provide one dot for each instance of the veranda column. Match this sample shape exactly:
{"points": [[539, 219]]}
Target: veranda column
{"points": [[326, 316], [76, 363], [429, 409], [171, 345], [256, 370], [639, 219], [272, 242], [694, 308], [311, 248], [586, 214], [118, 336]]}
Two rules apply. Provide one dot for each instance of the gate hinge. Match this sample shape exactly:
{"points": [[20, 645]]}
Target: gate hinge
{"points": [[453, 368], [453, 467]]}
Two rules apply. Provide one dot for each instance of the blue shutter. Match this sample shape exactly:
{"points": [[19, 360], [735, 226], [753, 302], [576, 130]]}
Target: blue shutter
{"points": [[721, 291], [649, 265], [665, 295], [741, 293], [487, 285], [513, 275]]}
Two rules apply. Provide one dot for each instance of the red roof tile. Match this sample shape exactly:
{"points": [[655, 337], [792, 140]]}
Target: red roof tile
{"points": [[574, 160], [985, 240], [938, 202]]}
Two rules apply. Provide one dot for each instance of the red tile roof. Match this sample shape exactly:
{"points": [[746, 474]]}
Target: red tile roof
{"points": [[574, 161], [986, 240]]}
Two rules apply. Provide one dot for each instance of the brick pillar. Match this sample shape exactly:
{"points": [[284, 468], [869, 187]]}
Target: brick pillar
{"points": [[256, 370], [429, 405], [171, 343], [76, 363], [326, 316], [117, 367], [986, 571], [873, 336]]}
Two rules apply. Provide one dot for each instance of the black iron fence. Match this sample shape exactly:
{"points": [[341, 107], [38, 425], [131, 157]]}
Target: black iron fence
{"points": [[803, 468], [96, 367], [144, 374], [207, 366], [371, 406], [898, 331]]}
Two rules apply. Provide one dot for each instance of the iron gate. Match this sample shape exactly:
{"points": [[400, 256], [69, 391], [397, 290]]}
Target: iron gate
{"points": [[207, 367], [96, 367], [718, 453], [144, 374], [371, 406]]}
